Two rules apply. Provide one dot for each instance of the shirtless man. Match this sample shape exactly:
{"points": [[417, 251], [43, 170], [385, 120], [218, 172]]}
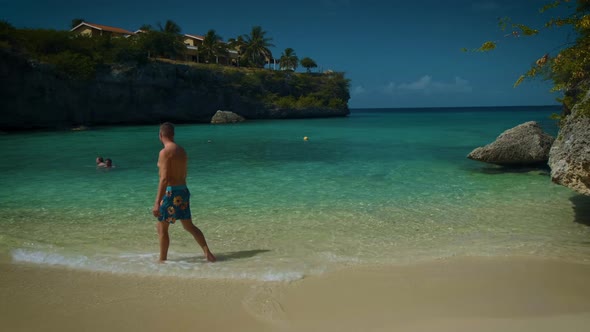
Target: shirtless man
{"points": [[172, 199]]}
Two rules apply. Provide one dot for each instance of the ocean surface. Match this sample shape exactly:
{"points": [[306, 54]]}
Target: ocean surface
{"points": [[382, 186]]}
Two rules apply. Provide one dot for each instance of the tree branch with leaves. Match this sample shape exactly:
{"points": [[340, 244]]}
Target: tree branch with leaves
{"points": [[568, 65]]}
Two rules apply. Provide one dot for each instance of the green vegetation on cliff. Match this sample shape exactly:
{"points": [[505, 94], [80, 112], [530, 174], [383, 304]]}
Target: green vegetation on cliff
{"points": [[59, 79], [78, 57]]}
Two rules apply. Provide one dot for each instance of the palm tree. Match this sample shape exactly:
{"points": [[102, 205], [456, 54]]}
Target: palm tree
{"points": [[308, 63], [289, 60], [212, 47], [239, 45], [170, 27], [164, 43], [256, 49], [146, 27], [75, 22]]}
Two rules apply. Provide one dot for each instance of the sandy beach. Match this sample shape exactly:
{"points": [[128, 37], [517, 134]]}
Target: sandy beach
{"points": [[460, 294]]}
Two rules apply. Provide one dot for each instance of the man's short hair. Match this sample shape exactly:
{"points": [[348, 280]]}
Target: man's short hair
{"points": [[167, 129]]}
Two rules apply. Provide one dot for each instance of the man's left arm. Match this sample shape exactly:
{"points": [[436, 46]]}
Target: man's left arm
{"points": [[162, 183]]}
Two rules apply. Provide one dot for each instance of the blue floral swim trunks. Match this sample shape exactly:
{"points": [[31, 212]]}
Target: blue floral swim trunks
{"points": [[175, 204]]}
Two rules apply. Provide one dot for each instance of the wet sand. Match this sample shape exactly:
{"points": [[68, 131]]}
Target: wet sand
{"points": [[460, 294]]}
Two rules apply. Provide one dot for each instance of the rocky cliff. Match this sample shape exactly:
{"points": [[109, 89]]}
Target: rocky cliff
{"points": [[525, 144], [36, 95], [569, 157]]}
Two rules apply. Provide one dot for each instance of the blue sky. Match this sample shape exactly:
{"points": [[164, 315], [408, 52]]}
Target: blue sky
{"points": [[396, 53]]}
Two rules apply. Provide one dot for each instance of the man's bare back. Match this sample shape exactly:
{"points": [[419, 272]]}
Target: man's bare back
{"points": [[172, 164]]}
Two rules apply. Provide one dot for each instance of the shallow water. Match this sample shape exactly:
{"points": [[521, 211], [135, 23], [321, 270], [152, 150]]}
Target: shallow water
{"points": [[378, 187]]}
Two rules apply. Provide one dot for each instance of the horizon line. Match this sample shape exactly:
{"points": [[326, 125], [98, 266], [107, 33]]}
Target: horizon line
{"points": [[438, 107]]}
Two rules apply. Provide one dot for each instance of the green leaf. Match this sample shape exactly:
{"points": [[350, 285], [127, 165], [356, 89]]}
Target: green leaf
{"points": [[558, 87], [518, 81], [549, 6], [503, 22], [559, 22], [487, 46], [526, 30]]}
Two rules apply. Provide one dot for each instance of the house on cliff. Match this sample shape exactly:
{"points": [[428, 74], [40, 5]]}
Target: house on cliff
{"points": [[93, 30], [192, 43]]}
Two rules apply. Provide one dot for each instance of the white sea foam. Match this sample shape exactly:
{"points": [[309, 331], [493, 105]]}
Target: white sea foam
{"points": [[40, 257], [336, 258], [146, 264], [282, 276]]}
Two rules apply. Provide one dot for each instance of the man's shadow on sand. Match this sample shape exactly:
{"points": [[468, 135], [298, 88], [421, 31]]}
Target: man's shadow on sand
{"points": [[225, 256]]}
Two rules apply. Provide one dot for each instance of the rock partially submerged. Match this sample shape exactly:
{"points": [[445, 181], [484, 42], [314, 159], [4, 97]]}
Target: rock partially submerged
{"points": [[226, 117], [80, 128], [569, 158], [525, 144]]}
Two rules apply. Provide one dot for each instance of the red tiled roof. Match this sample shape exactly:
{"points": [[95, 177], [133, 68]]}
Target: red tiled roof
{"points": [[106, 28]]}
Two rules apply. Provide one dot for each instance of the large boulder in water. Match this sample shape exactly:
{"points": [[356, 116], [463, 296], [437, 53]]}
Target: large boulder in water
{"points": [[525, 144], [569, 158], [226, 117]]}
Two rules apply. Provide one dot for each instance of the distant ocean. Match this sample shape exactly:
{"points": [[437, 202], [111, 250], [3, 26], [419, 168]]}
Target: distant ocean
{"points": [[382, 186]]}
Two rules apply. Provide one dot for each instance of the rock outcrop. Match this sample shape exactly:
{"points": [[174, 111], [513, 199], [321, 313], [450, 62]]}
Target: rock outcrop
{"points": [[525, 144], [569, 157], [221, 117]]}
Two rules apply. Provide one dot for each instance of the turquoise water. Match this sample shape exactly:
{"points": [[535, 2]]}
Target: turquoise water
{"points": [[378, 187]]}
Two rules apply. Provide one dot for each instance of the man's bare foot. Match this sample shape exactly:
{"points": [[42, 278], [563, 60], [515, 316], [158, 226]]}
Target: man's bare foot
{"points": [[161, 261], [210, 257]]}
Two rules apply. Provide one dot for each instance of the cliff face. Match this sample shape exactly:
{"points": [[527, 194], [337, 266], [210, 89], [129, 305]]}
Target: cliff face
{"points": [[35, 95], [569, 157]]}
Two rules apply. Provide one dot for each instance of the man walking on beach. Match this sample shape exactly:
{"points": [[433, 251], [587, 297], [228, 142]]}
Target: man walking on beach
{"points": [[173, 197]]}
